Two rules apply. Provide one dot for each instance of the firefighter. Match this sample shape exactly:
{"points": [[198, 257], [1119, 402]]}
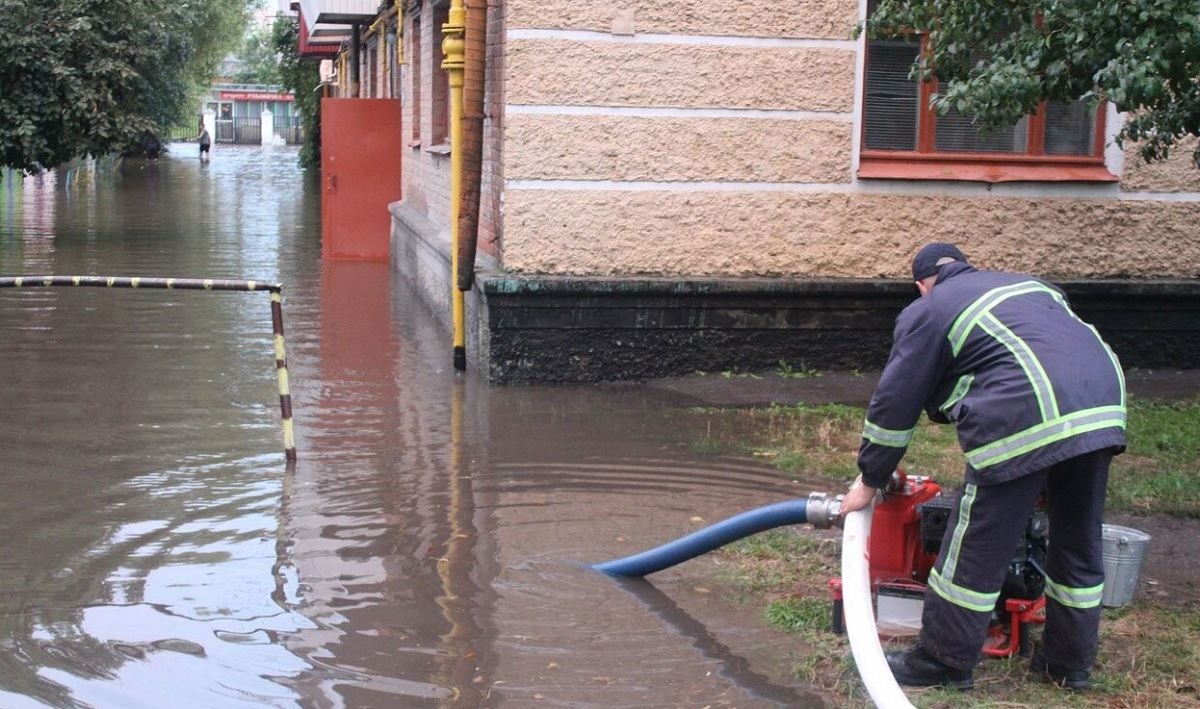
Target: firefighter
{"points": [[1038, 401]]}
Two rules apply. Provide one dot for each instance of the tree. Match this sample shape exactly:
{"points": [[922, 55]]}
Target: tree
{"points": [[260, 59], [997, 60], [302, 78], [81, 77]]}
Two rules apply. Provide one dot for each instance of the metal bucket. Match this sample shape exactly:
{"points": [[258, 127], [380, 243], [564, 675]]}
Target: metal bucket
{"points": [[1124, 551]]}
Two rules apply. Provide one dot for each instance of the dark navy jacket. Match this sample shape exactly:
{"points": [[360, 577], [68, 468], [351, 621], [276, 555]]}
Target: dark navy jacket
{"points": [[1026, 382]]}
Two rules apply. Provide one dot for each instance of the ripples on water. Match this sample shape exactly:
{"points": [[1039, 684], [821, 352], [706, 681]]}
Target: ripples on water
{"points": [[429, 547]]}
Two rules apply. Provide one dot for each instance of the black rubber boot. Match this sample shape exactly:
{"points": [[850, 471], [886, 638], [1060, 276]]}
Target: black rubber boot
{"points": [[1077, 680], [917, 668]]}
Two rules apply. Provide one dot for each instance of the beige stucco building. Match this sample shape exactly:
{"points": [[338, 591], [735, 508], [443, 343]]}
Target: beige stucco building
{"points": [[683, 174]]}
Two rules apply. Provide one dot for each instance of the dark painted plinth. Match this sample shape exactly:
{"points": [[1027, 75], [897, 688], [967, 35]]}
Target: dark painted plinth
{"points": [[1151, 324], [543, 329]]}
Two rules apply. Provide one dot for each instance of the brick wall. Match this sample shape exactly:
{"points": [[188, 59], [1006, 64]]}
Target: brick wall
{"points": [[427, 160], [426, 164]]}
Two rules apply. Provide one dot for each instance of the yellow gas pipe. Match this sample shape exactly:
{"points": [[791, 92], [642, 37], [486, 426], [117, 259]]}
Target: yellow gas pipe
{"points": [[453, 49]]}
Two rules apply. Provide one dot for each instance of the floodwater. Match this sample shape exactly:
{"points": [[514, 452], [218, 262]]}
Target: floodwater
{"points": [[428, 548]]}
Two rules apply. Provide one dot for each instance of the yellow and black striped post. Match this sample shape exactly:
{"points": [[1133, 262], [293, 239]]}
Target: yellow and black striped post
{"points": [[207, 284]]}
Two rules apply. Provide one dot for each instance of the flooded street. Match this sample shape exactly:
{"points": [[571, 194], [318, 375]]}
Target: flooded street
{"points": [[428, 548]]}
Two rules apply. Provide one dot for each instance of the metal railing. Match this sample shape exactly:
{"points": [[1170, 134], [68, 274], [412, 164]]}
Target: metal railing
{"points": [[243, 131], [180, 134], [289, 129], [206, 284]]}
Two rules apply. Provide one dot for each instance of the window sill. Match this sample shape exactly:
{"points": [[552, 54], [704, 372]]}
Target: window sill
{"points": [[989, 169], [414, 143], [441, 149]]}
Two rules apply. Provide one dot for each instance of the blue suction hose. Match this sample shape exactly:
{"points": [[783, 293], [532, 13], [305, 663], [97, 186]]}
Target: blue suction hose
{"points": [[705, 540]]}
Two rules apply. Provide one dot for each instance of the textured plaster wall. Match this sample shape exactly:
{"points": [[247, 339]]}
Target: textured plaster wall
{"points": [[1177, 173], [558, 71], [696, 149], [790, 234], [759, 97], [827, 19]]}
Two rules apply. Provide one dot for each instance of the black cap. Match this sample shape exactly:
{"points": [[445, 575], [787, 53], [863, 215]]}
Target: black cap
{"points": [[924, 263]]}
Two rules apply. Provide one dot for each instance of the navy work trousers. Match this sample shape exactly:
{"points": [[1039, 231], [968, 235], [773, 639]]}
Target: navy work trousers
{"points": [[984, 530]]}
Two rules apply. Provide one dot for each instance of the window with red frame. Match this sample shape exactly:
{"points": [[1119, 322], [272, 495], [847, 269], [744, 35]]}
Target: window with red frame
{"points": [[440, 92], [903, 137]]}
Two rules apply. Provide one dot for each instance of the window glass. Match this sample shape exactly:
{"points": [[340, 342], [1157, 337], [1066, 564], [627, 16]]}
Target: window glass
{"points": [[1070, 128], [957, 133], [893, 100], [440, 89]]}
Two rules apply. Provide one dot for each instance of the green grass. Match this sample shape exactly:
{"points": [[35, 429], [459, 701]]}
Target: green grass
{"points": [[1148, 652], [1160, 473], [1160, 470]]}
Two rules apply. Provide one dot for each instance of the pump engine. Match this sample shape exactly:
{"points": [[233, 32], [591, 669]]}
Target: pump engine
{"points": [[907, 530]]}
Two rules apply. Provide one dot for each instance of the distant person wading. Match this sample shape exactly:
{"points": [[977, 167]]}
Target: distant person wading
{"points": [[205, 143]]}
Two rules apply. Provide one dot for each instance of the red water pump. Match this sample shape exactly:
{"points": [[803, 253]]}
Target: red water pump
{"points": [[906, 533]]}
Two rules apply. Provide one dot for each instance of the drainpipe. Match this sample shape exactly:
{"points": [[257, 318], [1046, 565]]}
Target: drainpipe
{"points": [[355, 55], [453, 51], [379, 80], [474, 78]]}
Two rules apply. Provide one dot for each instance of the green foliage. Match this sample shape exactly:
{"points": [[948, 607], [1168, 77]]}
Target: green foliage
{"points": [[997, 59], [260, 59], [303, 78], [90, 78]]}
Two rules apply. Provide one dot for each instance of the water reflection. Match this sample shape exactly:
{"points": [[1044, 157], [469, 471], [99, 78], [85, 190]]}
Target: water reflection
{"points": [[428, 548]]}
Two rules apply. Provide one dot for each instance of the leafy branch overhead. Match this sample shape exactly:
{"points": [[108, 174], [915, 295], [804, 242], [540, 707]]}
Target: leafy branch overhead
{"points": [[81, 77], [302, 78], [998, 59]]}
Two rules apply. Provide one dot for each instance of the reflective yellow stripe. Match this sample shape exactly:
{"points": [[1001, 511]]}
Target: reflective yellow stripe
{"points": [[1023, 354], [1075, 597], [966, 321], [1111, 355], [1045, 433], [963, 597], [960, 390], [887, 437], [279, 353], [950, 563]]}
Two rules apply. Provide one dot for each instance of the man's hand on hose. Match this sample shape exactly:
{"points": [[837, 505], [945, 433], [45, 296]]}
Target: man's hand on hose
{"points": [[859, 496]]}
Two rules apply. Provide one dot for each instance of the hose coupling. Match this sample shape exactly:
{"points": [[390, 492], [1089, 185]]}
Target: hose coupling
{"points": [[824, 510]]}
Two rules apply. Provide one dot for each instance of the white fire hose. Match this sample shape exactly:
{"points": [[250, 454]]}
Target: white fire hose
{"points": [[860, 616]]}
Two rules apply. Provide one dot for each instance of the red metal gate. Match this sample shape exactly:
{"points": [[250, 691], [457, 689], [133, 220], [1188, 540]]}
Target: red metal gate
{"points": [[360, 171]]}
